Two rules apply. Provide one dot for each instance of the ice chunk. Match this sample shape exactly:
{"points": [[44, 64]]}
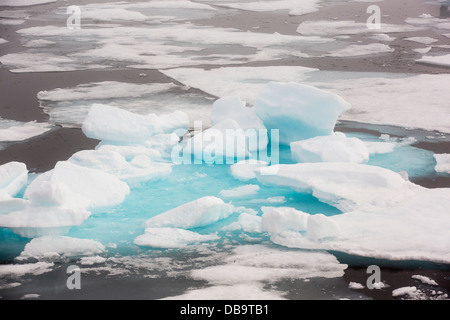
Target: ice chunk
{"points": [[171, 238], [139, 169], [11, 131], [425, 280], [23, 3], [442, 162], [361, 50], [333, 148], [321, 227], [298, 111], [232, 107], [294, 7], [198, 213], [244, 170], [242, 191], [13, 204], [113, 124], [278, 219], [443, 60], [223, 142], [89, 261], [17, 270], [72, 186], [3, 41], [55, 247], [13, 177], [424, 40], [343, 185], [40, 221]]}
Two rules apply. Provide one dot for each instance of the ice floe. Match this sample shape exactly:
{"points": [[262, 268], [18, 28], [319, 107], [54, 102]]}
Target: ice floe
{"points": [[442, 162], [170, 238], [295, 109], [59, 247], [14, 131], [13, 178], [331, 148], [198, 213]]}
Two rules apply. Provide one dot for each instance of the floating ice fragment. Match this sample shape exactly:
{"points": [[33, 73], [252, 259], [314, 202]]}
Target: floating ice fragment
{"points": [[171, 238], [442, 162], [424, 279], [198, 213], [244, 170], [298, 111], [278, 219], [321, 227], [73, 186], [333, 148], [242, 191], [13, 177], [60, 247]]}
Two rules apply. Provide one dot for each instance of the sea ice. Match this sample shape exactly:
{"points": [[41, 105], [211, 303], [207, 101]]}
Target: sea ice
{"points": [[322, 227], [332, 148], [13, 178], [198, 213], [244, 170], [241, 191], [443, 60], [442, 162], [170, 238], [298, 111], [278, 219], [361, 50], [13, 131], [34, 221], [72, 186], [22, 3], [364, 184], [56, 247], [18, 270]]}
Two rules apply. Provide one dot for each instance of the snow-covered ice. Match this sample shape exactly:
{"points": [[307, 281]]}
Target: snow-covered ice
{"points": [[194, 214], [59, 247], [442, 162], [13, 178], [14, 131], [171, 238], [331, 148]]}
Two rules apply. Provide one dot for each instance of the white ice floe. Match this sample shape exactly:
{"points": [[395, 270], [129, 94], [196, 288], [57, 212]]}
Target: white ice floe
{"points": [[219, 144], [298, 111], [13, 131], [278, 219], [442, 162], [3, 41], [377, 98], [355, 285], [259, 263], [294, 7], [170, 238], [383, 216], [35, 221], [89, 261], [322, 227], [411, 292], [246, 222], [56, 247], [113, 124], [443, 60], [361, 50], [364, 185], [72, 186], [423, 40], [244, 170], [18, 270], [13, 178], [346, 27], [70, 106], [241, 191], [331, 148], [424, 279], [139, 169], [198, 213], [22, 3]]}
